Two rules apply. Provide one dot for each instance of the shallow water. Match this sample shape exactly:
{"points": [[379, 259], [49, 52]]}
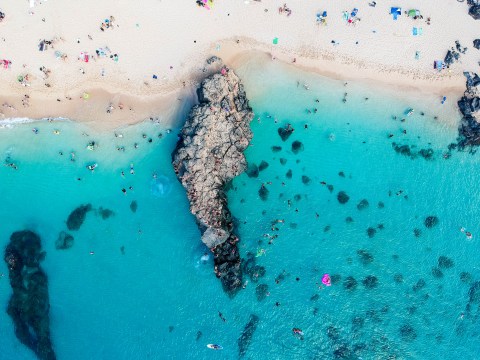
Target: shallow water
{"points": [[151, 300]]}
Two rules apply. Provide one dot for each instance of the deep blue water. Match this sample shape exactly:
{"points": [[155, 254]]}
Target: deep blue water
{"points": [[152, 300]]}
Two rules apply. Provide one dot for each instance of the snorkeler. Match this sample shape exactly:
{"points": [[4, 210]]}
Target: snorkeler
{"points": [[297, 331], [222, 317]]}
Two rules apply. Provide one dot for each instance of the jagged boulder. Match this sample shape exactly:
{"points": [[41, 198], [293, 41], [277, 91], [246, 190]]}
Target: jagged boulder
{"points": [[208, 156], [475, 12], [469, 106], [476, 44]]}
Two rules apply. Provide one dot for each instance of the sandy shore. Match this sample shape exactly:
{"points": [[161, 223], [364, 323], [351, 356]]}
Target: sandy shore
{"points": [[173, 39]]}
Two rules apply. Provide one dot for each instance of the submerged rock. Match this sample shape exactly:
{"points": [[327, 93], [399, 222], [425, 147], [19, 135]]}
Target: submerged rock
{"points": [[445, 262], [398, 278], [29, 304], [133, 206], [209, 155], [246, 338], [474, 298], [363, 204], [305, 179], [64, 241], [276, 148], [297, 146], [342, 197], [371, 232], [437, 273], [283, 161], [370, 282], [350, 283], [365, 257], [263, 165], [252, 170], [285, 132], [263, 192], [289, 174], [431, 221], [465, 277], [77, 217], [261, 291], [407, 333], [419, 285], [105, 213]]}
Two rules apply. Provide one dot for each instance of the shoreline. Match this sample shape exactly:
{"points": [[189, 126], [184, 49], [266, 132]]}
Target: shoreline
{"points": [[172, 101], [148, 56]]}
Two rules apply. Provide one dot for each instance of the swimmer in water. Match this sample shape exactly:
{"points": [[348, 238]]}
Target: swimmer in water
{"points": [[222, 317], [297, 331]]}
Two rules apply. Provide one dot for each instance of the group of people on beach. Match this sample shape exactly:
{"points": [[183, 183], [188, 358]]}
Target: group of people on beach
{"points": [[107, 23]]}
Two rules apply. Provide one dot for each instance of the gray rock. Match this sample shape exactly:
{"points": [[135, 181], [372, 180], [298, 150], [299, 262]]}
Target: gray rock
{"points": [[476, 44], [475, 12], [64, 241], [209, 155]]}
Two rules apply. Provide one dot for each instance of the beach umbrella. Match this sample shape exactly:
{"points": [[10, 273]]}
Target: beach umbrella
{"points": [[86, 96], [412, 12]]}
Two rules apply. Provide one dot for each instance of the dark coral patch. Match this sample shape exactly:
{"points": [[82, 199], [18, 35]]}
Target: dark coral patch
{"points": [[297, 146], [342, 197], [77, 217]]}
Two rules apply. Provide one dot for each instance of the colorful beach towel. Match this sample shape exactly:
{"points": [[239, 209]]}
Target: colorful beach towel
{"points": [[395, 12]]}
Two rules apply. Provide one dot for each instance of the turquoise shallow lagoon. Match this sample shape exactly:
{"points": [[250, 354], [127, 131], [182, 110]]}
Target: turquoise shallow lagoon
{"points": [[133, 285]]}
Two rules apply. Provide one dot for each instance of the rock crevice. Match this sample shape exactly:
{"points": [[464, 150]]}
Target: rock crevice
{"points": [[209, 154]]}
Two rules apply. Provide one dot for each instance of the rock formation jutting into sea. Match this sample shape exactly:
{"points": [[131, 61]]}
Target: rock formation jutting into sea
{"points": [[29, 305], [209, 154], [469, 106]]}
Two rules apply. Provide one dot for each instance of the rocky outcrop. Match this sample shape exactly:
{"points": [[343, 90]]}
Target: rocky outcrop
{"points": [[29, 305], [476, 44], [208, 156], [475, 12], [469, 106]]}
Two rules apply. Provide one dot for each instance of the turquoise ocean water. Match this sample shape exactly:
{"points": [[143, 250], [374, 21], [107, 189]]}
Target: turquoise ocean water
{"points": [[133, 286]]}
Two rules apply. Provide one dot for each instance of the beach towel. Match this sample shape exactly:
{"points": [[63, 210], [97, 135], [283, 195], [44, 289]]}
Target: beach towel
{"points": [[417, 31], [275, 41], [395, 12]]}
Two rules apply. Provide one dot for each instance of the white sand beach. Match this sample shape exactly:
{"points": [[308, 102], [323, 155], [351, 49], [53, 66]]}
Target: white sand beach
{"points": [[171, 41]]}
